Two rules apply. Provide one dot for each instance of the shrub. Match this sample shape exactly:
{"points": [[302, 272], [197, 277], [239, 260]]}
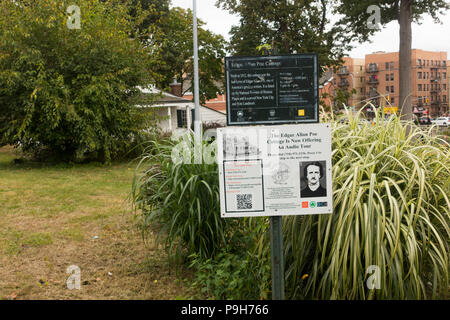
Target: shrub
{"points": [[239, 275], [70, 91], [183, 199], [391, 210]]}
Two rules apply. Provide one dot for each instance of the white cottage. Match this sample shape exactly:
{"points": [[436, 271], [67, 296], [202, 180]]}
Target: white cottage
{"points": [[176, 113]]}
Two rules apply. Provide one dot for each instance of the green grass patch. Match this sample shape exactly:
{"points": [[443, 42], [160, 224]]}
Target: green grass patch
{"points": [[75, 194], [14, 241], [75, 234], [37, 239], [89, 218]]}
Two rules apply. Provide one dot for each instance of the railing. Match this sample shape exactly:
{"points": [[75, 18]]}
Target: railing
{"points": [[343, 84], [372, 69], [373, 81], [343, 72], [438, 67]]}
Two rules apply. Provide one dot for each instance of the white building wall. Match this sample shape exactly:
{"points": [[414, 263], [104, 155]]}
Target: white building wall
{"points": [[209, 115]]}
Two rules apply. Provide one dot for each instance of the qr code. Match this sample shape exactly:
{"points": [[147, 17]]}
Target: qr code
{"points": [[244, 201]]}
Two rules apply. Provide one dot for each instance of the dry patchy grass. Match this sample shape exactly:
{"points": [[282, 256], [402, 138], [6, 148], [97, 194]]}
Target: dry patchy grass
{"points": [[54, 216]]}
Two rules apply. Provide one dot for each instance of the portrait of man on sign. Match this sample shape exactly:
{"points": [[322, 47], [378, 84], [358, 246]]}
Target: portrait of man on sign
{"points": [[312, 179]]}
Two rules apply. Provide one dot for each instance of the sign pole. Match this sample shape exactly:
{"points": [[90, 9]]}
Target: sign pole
{"points": [[270, 90], [197, 120], [276, 245]]}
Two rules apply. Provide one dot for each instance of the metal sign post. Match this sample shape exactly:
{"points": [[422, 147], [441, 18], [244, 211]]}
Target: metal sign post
{"points": [[270, 92], [197, 119], [277, 257]]}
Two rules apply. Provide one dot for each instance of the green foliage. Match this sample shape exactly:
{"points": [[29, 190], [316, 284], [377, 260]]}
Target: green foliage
{"points": [[390, 209], [232, 276], [173, 44], [295, 26], [183, 199], [70, 90]]}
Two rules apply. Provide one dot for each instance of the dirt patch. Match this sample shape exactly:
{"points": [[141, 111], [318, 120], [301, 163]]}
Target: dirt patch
{"points": [[47, 226], [114, 264]]}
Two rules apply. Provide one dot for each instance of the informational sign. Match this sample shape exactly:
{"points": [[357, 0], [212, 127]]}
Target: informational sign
{"points": [[272, 89], [275, 170]]}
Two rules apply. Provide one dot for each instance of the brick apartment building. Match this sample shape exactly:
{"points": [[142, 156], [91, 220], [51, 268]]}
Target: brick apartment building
{"points": [[376, 79], [352, 76], [429, 80], [448, 87]]}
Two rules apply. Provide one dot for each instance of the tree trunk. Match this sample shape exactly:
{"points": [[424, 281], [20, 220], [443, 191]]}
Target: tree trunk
{"points": [[405, 101]]}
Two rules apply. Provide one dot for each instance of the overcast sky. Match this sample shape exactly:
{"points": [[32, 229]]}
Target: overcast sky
{"points": [[427, 36]]}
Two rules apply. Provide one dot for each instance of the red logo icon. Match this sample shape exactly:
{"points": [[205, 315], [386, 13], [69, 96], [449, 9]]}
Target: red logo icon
{"points": [[305, 204]]}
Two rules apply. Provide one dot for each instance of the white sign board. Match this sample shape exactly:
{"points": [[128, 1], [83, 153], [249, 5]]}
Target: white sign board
{"points": [[275, 170]]}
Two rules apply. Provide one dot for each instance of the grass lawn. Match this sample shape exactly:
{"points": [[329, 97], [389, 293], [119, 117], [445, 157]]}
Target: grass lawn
{"points": [[54, 216]]}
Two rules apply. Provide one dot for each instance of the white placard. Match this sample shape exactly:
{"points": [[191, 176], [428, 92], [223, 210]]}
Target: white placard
{"points": [[275, 170]]}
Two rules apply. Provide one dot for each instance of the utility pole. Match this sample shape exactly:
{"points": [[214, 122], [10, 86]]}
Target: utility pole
{"points": [[197, 120]]}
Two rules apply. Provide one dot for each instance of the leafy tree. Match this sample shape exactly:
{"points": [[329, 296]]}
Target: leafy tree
{"points": [[405, 12], [174, 42], [70, 90], [157, 10], [289, 26]]}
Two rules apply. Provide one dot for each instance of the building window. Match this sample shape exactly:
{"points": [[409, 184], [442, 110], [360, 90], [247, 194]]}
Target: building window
{"points": [[419, 99], [431, 62], [444, 98], [392, 65], [444, 87], [392, 100], [387, 76], [360, 68], [419, 62], [387, 65], [419, 75], [444, 63], [419, 87], [444, 75], [392, 89], [181, 119], [387, 89]]}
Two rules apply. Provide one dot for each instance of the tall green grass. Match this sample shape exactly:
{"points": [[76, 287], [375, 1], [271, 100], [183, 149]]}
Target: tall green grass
{"points": [[183, 199], [391, 210]]}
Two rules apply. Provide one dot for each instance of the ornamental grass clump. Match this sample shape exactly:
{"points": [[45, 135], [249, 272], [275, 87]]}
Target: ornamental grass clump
{"points": [[182, 198], [387, 238], [388, 235]]}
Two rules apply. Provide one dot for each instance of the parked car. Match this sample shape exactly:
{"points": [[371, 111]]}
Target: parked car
{"points": [[443, 121], [425, 120]]}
